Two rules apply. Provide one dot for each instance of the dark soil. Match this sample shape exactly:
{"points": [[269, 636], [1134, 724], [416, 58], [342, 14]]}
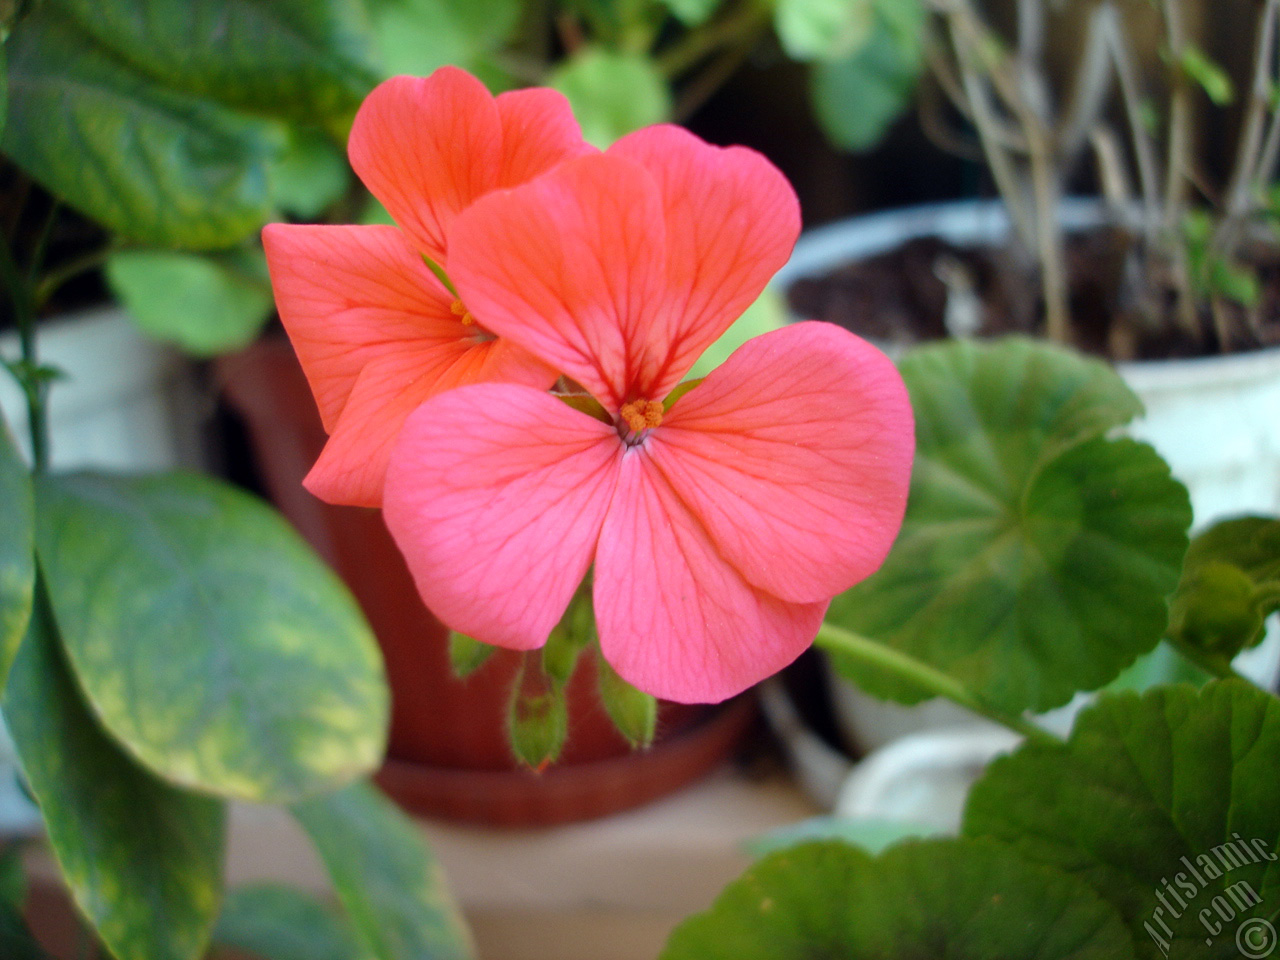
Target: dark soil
{"points": [[901, 298]]}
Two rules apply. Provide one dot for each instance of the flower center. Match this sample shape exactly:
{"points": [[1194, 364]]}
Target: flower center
{"points": [[639, 416], [459, 310], [477, 333]]}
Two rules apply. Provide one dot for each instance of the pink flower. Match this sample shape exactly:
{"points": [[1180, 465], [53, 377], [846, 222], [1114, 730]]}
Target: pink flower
{"points": [[376, 331], [720, 526]]}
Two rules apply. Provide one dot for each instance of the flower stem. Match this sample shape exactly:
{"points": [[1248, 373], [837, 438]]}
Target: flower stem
{"points": [[837, 640], [1216, 666], [27, 371]]}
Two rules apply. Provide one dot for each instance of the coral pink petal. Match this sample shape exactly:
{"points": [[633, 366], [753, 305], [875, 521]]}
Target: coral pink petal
{"points": [[795, 456], [495, 495], [538, 131], [352, 467], [427, 148], [349, 295], [570, 266], [732, 220], [674, 618]]}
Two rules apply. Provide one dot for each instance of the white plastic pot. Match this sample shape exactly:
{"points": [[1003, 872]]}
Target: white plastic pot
{"points": [[125, 402], [1215, 420]]}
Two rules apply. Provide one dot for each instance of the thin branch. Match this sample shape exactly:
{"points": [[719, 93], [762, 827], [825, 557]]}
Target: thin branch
{"points": [[716, 73], [935, 127], [1116, 188], [1178, 163], [1033, 89], [1243, 185], [987, 124], [701, 42], [1179, 147], [1092, 84], [1144, 150], [1031, 29]]}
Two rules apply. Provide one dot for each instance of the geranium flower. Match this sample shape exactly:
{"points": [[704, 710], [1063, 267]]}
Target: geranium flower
{"points": [[720, 524], [376, 331]]}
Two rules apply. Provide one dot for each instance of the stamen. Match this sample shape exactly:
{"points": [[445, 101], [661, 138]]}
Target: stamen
{"points": [[641, 414], [459, 310]]}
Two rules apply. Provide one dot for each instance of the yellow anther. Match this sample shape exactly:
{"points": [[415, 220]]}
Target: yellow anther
{"points": [[459, 310], [641, 414]]}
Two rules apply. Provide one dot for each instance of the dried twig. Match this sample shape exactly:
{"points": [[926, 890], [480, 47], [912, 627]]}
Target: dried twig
{"points": [[1245, 181]]}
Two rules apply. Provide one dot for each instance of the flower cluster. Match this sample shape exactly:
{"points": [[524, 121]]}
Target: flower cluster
{"points": [[720, 516]]}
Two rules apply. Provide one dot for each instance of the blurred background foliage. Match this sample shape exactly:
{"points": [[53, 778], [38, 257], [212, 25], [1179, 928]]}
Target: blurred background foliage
{"points": [[179, 128]]}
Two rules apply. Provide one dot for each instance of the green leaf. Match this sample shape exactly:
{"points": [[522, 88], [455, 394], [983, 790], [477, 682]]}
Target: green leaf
{"points": [[154, 164], [209, 639], [1235, 282], [1164, 804], [1230, 584], [389, 882], [416, 37], [857, 98], [634, 713], [16, 941], [1036, 553], [143, 860], [304, 60], [1208, 75], [823, 29], [612, 93], [17, 551], [280, 923], [310, 175], [196, 301], [466, 655], [960, 899]]}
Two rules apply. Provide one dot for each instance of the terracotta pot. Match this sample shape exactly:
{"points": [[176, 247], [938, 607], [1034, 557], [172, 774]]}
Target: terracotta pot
{"points": [[448, 753]]}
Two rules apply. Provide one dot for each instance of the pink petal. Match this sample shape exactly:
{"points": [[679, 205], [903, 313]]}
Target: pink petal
{"points": [[732, 219], [352, 467], [538, 131], [795, 456], [349, 295], [427, 148], [674, 618], [571, 267], [495, 495]]}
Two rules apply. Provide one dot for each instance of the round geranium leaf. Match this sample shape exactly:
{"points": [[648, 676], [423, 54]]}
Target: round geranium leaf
{"points": [[208, 638], [17, 551], [1165, 804], [1037, 553], [956, 898]]}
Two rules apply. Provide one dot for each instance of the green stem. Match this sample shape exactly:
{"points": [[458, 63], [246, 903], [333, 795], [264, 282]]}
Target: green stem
{"points": [[701, 42], [33, 386], [55, 278], [837, 640], [1219, 667]]}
